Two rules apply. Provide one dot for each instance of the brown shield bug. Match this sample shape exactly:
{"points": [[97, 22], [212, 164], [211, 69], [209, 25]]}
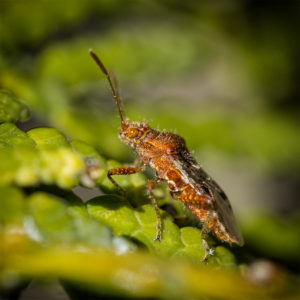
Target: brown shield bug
{"points": [[168, 156]]}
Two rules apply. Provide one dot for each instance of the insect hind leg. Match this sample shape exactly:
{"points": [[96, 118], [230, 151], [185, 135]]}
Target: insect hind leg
{"points": [[151, 185], [205, 228], [204, 233]]}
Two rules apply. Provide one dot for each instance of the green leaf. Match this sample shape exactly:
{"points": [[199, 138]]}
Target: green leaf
{"points": [[115, 213], [12, 136], [191, 239], [12, 109], [12, 204], [51, 217], [44, 155], [51, 220], [48, 138], [138, 275], [141, 224], [61, 166], [86, 150]]}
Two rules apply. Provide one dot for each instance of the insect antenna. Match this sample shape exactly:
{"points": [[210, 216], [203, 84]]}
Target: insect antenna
{"points": [[113, 83]]}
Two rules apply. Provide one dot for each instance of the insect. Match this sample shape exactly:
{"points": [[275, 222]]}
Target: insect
{"points": [[166, 153]]}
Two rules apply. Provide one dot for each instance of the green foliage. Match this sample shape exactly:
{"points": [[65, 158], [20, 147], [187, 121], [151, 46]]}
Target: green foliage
{"points": [[11, 109], [55, 234], [42, 155], [49, 238], [141, 224]]}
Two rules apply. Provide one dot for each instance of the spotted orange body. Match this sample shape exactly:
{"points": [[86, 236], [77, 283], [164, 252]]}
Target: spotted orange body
{"points": [[166, 153]]}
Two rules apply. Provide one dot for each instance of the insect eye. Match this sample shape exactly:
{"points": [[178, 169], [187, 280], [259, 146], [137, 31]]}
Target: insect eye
{"points": [[133, 132]]}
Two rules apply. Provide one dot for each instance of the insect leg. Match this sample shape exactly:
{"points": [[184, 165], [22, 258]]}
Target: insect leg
{"points": [[138, 163], [122, 171], [205, 228], [151, 185], [203, 236]]}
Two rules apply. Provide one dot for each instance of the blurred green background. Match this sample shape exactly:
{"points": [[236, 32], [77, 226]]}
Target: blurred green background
{"points": [[222, 74]]}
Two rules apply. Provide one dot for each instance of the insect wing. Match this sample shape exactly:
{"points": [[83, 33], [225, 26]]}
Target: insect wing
{"points": [[206, 185], [224, 211]]}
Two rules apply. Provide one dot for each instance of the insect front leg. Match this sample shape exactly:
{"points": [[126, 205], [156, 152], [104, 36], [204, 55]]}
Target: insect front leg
{"points": [[122, 171], [151, 185]]}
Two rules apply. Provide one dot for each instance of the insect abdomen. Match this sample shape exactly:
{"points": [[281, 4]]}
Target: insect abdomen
{"points": [[179, 186], [199, 203], [213, 222]]}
